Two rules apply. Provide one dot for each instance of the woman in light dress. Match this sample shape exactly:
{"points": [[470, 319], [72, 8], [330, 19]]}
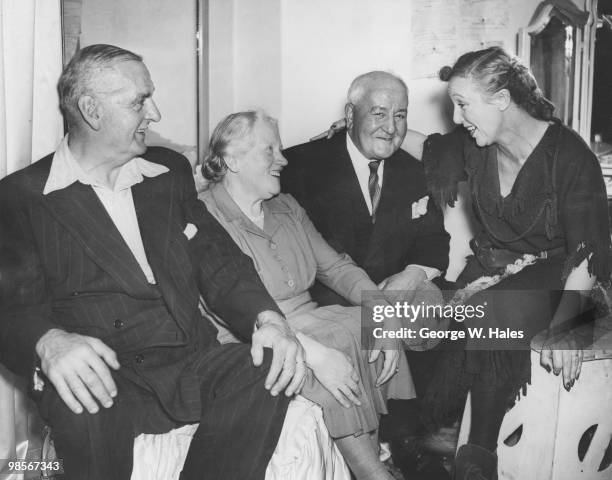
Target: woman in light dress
{"points": [[350, 383]]}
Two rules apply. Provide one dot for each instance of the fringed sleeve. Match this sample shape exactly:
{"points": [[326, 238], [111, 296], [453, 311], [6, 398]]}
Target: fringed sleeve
{"points": [[444, 162], [584, 216]]}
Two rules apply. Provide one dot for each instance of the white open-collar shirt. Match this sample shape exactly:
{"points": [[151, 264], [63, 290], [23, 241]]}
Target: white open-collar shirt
{"points": [[118, 201]]}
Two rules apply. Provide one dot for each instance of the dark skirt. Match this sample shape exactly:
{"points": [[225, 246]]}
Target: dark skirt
{"points": [[524, 302]]}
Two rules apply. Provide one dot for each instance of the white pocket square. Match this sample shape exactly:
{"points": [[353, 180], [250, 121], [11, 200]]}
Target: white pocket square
{"points": [[420, 208], [190, 231]]}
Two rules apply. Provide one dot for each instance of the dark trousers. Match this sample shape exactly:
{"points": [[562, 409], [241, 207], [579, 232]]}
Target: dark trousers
{"points": [[238, 431], [404, 419]]}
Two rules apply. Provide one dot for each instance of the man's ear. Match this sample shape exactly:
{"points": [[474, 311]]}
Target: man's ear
{"points": [[89, 110], [502, 99], [348, 114]]}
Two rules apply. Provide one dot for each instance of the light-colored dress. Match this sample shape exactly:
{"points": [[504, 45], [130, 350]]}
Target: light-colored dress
{"points": [[288, 254]]}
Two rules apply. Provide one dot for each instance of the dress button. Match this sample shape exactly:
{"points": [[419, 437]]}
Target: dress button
{"points": [[139, 358], [284, 268], [291, 283], [118, 323], [273, 245]]}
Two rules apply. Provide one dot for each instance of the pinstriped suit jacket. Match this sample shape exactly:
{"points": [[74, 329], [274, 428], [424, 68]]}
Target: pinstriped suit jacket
{"points": [[78, 274]]}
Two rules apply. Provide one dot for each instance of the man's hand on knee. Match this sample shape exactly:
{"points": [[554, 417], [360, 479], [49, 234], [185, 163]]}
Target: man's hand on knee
{"points": [[288, 369], [77, 367]]}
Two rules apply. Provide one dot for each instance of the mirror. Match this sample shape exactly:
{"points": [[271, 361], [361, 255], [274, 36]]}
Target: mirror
{"points": [[553, 63], [557, 45]]}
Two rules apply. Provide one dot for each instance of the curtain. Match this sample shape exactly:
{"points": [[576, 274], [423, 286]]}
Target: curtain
{"points": [[30, 64], [30, 127]]}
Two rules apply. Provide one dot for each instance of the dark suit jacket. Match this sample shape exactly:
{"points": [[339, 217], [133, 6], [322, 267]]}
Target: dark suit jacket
{"points": [[79, 275], [320, 175]]}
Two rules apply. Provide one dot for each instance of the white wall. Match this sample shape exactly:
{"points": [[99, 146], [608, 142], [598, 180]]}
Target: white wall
{"points": [[296, 58], [221, 60], [163, 32], [257, 57], [325, 45], [245, 57]]}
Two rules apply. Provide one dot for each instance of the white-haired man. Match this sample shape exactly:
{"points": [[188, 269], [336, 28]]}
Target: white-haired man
{"points": [[368, 198]]}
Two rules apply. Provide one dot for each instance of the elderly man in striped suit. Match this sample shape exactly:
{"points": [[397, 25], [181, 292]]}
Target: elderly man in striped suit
{"points": [[114, 249]]}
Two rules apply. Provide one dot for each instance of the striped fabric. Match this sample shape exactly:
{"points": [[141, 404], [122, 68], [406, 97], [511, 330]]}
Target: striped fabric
{"points": [[77, 273]]}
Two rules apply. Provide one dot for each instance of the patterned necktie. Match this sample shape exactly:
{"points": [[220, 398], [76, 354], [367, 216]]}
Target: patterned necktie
{"points": [[374, 187]]}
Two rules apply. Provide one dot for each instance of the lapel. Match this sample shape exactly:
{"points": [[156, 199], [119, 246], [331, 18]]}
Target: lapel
{"points": [[391, 208], [392, 185], [153, 210], [346, 196], [154, 201], [154, 206], [80, 211]]}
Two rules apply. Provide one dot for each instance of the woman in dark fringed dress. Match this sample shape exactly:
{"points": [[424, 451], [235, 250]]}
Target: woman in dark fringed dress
{"points": [[536, 189]]}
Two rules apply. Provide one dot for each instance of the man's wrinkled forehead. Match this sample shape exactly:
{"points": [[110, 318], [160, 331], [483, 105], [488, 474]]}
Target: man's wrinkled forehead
{"points": [[385, 95], [117, 77]]}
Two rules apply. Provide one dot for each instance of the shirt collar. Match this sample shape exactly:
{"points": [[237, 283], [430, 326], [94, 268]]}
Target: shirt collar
{"points": [[225, 202], [357, 157], [230, 209], [65, 170]]}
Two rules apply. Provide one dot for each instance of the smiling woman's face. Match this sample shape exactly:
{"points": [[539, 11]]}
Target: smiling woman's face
{"points": [[474, 109], [258, 167]]}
